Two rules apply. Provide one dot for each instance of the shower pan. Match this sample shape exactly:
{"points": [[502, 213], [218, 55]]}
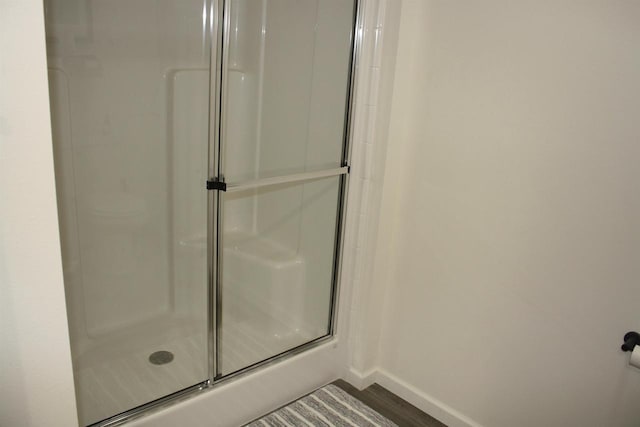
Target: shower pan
{"points": [[201, 163]]}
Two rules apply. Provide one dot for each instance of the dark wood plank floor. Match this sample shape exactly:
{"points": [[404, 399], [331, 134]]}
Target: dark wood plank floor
{"points": [[391, 406]]}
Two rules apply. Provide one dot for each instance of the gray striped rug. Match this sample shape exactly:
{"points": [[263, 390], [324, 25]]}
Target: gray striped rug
{"points": [[327, 407]]}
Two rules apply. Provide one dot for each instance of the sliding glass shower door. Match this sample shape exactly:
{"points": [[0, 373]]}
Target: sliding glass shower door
{"points": [[201, 169], [129, 84], [286, 69]]}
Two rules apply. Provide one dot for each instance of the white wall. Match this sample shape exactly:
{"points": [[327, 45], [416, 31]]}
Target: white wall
{"points": [[511, 212], [35, 373], [369, 153]]}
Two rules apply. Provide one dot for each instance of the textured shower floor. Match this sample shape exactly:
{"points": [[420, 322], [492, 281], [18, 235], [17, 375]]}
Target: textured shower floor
{"points": [[121, 380]]}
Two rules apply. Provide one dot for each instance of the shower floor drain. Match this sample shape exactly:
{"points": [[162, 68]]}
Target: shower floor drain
{"points": [[161, 357]]}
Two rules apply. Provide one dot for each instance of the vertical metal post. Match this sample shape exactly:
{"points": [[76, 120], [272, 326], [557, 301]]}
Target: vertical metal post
{"points": [[215, 75], [356, 48], [223, 32]]}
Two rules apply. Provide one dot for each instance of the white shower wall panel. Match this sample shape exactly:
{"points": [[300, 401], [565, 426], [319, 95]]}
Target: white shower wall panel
{"points": [[305, 78], [189, 123], [241, 152], [115, 67]]}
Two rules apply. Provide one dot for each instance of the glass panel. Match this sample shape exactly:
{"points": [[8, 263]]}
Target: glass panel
{"points": [[286, 79], [277, 269], [129, 84]]}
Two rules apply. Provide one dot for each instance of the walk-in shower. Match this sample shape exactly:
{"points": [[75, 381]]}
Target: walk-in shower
{"points": [[201, 167]]}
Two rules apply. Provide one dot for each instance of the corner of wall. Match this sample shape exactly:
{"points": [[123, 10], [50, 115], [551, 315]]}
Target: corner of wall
{"points": [[373, 105], [36, 359]]}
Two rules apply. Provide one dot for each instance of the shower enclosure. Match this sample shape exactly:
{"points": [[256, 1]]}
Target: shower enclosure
{"points": [[201, 164]]}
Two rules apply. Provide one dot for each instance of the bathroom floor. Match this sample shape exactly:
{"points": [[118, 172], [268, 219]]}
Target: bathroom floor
{"points": [[391, 406]]}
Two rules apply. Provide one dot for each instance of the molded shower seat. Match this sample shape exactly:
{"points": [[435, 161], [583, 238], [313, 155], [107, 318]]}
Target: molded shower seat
{"points": [[268, 277]]}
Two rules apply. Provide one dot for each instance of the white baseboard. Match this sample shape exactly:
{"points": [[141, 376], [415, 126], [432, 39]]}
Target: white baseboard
{"points": [[360, 380], [417, 398]]}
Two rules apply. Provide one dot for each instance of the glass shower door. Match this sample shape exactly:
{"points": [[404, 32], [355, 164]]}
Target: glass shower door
{"points": [[129, 89], [170, 286], [285, 84]]}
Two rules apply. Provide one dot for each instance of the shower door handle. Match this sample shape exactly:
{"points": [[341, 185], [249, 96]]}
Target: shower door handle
{"points": [[214, 184]]}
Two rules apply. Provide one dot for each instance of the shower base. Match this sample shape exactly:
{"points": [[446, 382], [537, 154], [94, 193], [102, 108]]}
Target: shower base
{"points": [[120, 377]]}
